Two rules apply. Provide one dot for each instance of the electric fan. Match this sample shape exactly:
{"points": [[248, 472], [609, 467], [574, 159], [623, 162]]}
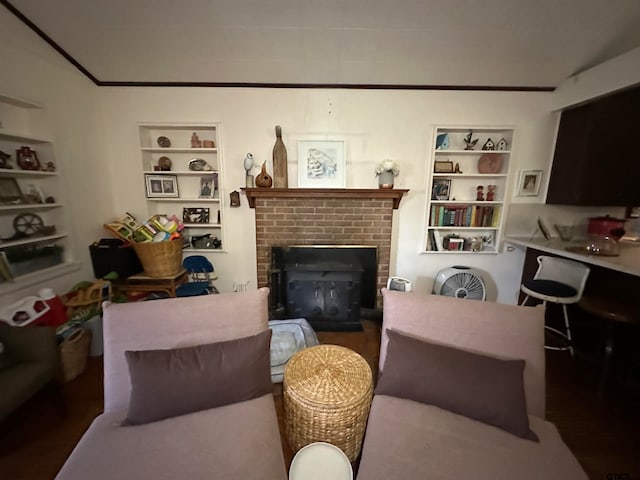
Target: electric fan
{"points": [[460, 282]]}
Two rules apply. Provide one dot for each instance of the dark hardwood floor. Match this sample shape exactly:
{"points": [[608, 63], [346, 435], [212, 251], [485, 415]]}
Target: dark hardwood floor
{"points": [[604, 434]]}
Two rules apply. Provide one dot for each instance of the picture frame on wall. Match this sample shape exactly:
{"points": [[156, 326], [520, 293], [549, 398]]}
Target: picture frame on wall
{"points": [[159, 186], [441, 189], [529, 183], [322, 164]]}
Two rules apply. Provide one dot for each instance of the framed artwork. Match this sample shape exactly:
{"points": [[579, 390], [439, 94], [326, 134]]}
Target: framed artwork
{"points": [[322, 164], [529, 183], [10, 191], [195, 215], [441, 189], [632, 212], [161, 186], [443, 167], [206, 187]]}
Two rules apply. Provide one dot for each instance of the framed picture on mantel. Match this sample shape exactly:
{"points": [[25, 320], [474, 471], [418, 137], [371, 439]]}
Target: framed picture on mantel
{"points": [[322, 164]]}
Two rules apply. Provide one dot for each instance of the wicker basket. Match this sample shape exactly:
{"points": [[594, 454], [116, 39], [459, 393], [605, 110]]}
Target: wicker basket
{"points": [[160, 259], [74, 351], [327, 397]]}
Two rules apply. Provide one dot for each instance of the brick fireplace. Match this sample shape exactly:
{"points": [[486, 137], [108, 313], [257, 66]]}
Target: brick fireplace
{"points": [[300, 216]]}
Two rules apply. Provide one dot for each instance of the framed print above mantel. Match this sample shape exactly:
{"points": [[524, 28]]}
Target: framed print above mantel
{"points": [[322, 164]]}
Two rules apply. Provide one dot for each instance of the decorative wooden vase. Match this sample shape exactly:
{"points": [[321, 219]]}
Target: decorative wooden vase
{"points": [[263, 179], [280, 179]]}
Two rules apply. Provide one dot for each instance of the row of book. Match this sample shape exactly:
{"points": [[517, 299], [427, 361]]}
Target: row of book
{"points": [[464, 215]]}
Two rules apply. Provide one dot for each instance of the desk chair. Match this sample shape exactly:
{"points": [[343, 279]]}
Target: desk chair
{"points": [[200, 271], [560, 281]]}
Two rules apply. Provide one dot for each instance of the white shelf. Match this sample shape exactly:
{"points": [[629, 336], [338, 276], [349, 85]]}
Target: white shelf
{"points": [[460, 252], [189, 184], [202, 225], [29, 206], [14, 172], [469, 175], [470, 152], [203, 250], [29, 279], [28, 240], [465, 202], [178, 150], [180, 172], [464, 185], [184, 200]]}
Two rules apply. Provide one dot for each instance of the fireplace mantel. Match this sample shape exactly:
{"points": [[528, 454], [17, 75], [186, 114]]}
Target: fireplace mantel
{"points": [[363, 193]]}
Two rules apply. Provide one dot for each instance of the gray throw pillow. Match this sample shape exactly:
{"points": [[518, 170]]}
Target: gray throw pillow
{"points": [[168, 383], [484, 388]]}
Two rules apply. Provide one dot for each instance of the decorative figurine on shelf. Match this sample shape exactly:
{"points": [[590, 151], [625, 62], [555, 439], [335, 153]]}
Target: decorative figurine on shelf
{"points": [[479, 193], [471, 143], [195, 141], [263, 179], [248, 166], [4, 160], [49, 167], [27, 159], [502, 144], [491, 193], [457, 169], [442, 141], [489, 145]]}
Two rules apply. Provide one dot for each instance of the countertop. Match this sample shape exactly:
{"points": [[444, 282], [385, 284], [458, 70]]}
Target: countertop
{"points": [[627, 262]]}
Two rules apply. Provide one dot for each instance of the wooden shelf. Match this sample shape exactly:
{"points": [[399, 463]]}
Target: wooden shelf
{"points": [[364, 193]]}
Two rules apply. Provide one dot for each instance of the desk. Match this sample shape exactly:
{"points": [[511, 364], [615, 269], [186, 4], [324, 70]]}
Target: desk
{"points": [[142, 283], [627, 262]]}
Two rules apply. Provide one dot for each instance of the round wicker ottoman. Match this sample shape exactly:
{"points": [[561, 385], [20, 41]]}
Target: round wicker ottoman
{"points": [[327, 396]]}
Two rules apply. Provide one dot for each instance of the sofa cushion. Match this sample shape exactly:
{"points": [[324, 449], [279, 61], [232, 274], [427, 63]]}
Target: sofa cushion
{"points": [[411, 440], [481, 387], [168, 383], [238, 441]]}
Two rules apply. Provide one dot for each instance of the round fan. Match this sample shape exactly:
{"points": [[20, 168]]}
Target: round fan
{"points": [[460, 282]]}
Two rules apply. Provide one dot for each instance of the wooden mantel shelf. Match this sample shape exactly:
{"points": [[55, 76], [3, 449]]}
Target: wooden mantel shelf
{"points": [[364, 193]]}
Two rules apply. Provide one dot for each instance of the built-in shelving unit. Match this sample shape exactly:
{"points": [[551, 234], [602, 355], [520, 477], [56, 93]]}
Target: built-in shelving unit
{"points": [[199, 190], [467, 184], [29, 200]]}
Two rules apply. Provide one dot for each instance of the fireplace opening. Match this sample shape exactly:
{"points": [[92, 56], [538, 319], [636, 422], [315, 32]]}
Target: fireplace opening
{"points": [[330, 286]]}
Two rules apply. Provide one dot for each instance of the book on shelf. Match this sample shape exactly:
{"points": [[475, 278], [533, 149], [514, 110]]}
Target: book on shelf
{"points": [[464, 216]]}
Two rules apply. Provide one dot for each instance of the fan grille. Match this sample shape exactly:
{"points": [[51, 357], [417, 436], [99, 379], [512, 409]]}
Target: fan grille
{"points": [[463, 285]]}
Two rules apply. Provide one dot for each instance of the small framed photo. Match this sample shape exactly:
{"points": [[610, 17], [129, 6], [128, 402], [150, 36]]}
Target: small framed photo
{"points": [[206, 187], [195, 215], [322, 164], [529, 183], [443, 167], [161, 186], [10, 191], [441, 189]]}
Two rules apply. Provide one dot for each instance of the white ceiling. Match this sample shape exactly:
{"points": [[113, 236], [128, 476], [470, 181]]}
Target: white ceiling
{"points": [[506, 43]]}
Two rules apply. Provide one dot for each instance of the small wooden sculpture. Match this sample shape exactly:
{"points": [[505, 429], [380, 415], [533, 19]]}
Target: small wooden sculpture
{"points": [[491, 193], [263, 179], [471, 144], [479, 193], [280, 161]]}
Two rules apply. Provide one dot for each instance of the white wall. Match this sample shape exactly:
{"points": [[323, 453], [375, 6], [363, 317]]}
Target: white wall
{"points": [[96, 139], [375, 124], [32, 70]]}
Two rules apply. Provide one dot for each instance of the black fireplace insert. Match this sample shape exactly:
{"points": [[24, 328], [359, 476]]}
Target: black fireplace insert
{"points": [[327, 285]]}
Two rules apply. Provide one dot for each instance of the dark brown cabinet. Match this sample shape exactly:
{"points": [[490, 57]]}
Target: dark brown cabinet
{"points": [[596, 160]]}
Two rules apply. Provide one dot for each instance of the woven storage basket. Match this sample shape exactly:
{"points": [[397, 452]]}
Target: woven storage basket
{"points": [[327, 397], [160, 259], [74, 351]]}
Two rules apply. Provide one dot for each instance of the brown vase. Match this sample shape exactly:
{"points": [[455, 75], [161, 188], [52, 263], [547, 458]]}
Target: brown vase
{"points": [[280, 179], [263, 179]]}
